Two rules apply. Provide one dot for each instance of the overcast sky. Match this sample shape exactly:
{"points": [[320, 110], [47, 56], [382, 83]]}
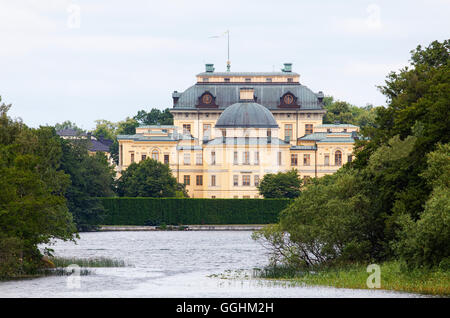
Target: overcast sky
{"points": [[86, 60]]}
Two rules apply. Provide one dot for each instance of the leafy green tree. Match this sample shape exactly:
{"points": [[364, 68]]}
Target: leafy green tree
{"points": [[345, 113], [91, 177], [32, 205], [154, 116], [105, 129], [148, 178], [280, 185], [427, 240], [68, 125]]}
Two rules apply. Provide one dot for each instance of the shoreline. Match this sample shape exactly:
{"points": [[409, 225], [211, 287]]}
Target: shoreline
{"points": [[211, 227]]}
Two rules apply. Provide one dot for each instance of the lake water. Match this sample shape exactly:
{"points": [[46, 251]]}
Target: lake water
{"points": [[171, 264]]}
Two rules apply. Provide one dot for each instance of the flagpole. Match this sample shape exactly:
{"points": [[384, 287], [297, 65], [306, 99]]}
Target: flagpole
{"points": [[228, 61]]}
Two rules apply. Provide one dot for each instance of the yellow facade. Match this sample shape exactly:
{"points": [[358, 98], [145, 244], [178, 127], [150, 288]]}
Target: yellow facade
{"points": [[229, 161]]}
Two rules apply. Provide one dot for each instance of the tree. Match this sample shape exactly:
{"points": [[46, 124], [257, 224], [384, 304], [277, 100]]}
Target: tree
{"points": [[280, 185], [427, 241], [68, 125], [32, 205], [148, 178], [91, 177], [154, 117], [105, 129], [345, 113]]}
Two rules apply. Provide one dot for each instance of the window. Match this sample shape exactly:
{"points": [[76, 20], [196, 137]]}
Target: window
{"points": [[187, 180], [246, 157], [308, 129], [226, 79], [199, 180], [288, 132], [213, 157], [213, 181], [306, 160], [256, 157], [132, 157], [235, 197], [345, 130], [198, 159], [294, 159], [328, 130], [256, 180], [290, 80], [269, 133], [338, 158], [224, 132], [155, 154], [235, 180], [187, 158], [246, 180], [235, 158], [308, 115], [248, 80], [205, 79], [186, 128], [207, 130], [268, 80], [246, 197], [326, 160], [166, 159], [279, 158], [349, 158], [143, 157]]}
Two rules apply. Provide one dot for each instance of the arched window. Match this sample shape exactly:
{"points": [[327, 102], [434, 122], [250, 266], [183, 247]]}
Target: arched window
{"points": [[155, 154], [338, 158]]}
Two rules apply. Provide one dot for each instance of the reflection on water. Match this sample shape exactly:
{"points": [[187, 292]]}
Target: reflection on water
{"points": [[172, 264]]}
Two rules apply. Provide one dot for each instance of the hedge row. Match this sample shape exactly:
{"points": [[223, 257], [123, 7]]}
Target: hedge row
{"points": [[175, 211]]}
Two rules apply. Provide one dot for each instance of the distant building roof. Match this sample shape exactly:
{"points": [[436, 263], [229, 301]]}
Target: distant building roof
{"points": [[96, 145], [70, 133]]}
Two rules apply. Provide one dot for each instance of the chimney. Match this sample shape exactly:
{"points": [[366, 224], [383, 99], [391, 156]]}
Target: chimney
{"points": [[246, 94], [209, 68], [320, 96], [287, 67]]}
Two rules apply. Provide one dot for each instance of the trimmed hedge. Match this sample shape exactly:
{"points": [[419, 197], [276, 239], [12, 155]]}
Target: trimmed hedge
{"points": [[175, 211]]}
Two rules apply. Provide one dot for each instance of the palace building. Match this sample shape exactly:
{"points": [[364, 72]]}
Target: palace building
{"points": [[232, 128]]}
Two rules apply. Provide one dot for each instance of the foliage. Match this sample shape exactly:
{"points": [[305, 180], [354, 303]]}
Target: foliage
{"points": [[389, 201], [91, 177], [343, 112], [32, 205], [148, 178], [175, 211], [427, 241], [154, 117], [394, 276], [68, 125], [280, 185]]}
